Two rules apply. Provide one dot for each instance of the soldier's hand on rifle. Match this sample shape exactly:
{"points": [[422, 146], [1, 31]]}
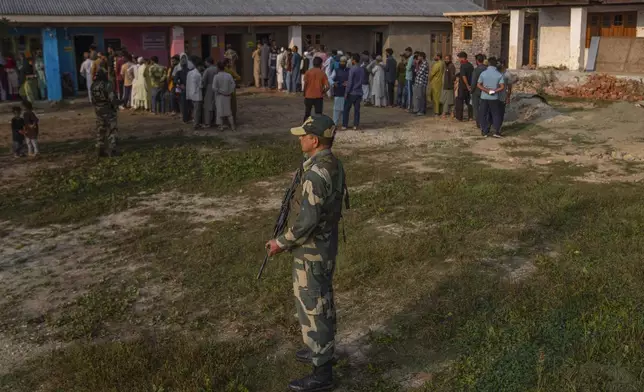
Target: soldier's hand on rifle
{"points": [[273, 248]]}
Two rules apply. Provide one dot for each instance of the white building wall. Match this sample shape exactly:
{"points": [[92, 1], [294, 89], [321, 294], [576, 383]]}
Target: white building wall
{"points": [[554, 37]]}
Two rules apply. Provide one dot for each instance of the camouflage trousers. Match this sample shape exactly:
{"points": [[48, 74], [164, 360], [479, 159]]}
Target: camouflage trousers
{"points": [[106, 129], [313, 289]]}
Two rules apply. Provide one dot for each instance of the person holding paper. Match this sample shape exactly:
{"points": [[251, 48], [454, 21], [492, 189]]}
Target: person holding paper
{"points": [[491, 82]]}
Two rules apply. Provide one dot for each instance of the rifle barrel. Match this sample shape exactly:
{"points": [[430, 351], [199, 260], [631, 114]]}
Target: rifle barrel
{"points": [[261, 269]]}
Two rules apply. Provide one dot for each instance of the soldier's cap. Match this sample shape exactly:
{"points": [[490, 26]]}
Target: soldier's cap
{"points": [[320, 126]]}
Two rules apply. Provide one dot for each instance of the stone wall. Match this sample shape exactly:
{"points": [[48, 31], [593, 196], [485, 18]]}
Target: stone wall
{"points": [[486, 34]]}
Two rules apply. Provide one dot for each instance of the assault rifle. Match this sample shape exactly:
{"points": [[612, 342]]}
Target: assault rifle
{"points": [[282, 219]]}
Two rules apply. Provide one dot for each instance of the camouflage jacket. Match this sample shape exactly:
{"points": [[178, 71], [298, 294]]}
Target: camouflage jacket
{"points": [[103, 96], [318, 203]]}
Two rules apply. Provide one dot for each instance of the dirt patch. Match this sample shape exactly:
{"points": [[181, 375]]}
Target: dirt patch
{"points": [[13, 353], [399, 230], [200, 209]]}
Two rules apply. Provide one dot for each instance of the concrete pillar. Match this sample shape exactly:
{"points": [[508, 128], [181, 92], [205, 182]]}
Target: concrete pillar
{"points": [[295, 37], [177, 43], [52, 64], [640, 24], [578, 21], [517, 23]]}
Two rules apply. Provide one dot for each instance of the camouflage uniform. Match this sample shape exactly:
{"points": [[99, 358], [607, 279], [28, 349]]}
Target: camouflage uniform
{"points": [[105, 106], [312, 237]]}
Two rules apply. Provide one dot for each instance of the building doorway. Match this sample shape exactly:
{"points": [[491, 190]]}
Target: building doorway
{"points": [[114, 43], [441, 43], [263, 37], [378, 43], [235, 41], [529, 44], [81, 45], [205, 47], [505, 42]]}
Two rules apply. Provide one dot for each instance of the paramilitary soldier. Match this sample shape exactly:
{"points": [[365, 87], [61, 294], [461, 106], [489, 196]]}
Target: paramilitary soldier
{"points": [[105, 106], [312, 237]]}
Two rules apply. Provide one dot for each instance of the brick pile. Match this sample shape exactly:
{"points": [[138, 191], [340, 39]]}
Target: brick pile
{"points": [[606, 87]]}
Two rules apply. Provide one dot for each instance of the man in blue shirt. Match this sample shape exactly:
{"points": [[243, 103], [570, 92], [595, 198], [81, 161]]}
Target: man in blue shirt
{"points": [[491, 82], [353, 93]]}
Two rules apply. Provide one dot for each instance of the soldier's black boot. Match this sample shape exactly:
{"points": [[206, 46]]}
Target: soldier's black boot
{"points": [[304, 355], [320, 380]]}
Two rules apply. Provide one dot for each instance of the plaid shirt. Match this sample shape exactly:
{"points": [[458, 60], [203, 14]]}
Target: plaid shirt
{"points": [[157, 75], [422, 76]]}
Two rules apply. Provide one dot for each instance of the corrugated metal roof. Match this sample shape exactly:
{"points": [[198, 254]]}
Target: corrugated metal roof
{"points": [[234, 7]]}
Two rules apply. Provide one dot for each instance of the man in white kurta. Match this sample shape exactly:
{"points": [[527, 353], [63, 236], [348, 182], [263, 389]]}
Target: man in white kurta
{"points": [[141, 88], [280, 70], [85, 71], [224, 87], [379, 87], [194, 93]]}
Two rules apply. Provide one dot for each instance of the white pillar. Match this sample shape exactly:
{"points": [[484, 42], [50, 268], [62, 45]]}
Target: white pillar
{"points": [[295, 37], [517, 23], [578, 21], [640, 24]]}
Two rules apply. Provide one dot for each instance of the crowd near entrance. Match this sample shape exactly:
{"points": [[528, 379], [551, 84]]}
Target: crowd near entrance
{"points": [[22, 68]]}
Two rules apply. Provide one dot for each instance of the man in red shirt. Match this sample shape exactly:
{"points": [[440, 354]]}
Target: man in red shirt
{"points": [[316, 85]]}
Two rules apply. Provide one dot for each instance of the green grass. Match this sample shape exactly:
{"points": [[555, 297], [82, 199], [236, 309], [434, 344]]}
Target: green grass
{"points": [[443, 292]]}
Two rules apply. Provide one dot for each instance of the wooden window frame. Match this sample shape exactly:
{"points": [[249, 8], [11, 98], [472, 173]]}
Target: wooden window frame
{"points": [[626, 28], [465, 25]]}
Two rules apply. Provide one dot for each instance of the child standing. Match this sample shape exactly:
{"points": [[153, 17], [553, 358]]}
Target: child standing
{"points": [[31, 128], [17, 129]]}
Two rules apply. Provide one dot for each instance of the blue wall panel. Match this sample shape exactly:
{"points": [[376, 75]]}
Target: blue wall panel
{"points": [[52, 65]]}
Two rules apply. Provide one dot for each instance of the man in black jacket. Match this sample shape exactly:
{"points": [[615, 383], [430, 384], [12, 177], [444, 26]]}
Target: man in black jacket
{"points": [[464, 88], [390, 76], [476, 92]]}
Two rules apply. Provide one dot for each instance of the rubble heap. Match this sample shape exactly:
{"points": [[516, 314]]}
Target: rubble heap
{"points": [[529, 108]]}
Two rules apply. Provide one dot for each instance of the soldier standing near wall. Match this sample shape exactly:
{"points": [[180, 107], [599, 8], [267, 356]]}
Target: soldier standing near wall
{"points": [[312, 237]]}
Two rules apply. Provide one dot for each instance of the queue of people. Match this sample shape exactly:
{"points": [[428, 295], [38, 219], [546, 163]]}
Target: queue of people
{"points": [[451, 91], [189, 87], [23, 78], [408, 83]]}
